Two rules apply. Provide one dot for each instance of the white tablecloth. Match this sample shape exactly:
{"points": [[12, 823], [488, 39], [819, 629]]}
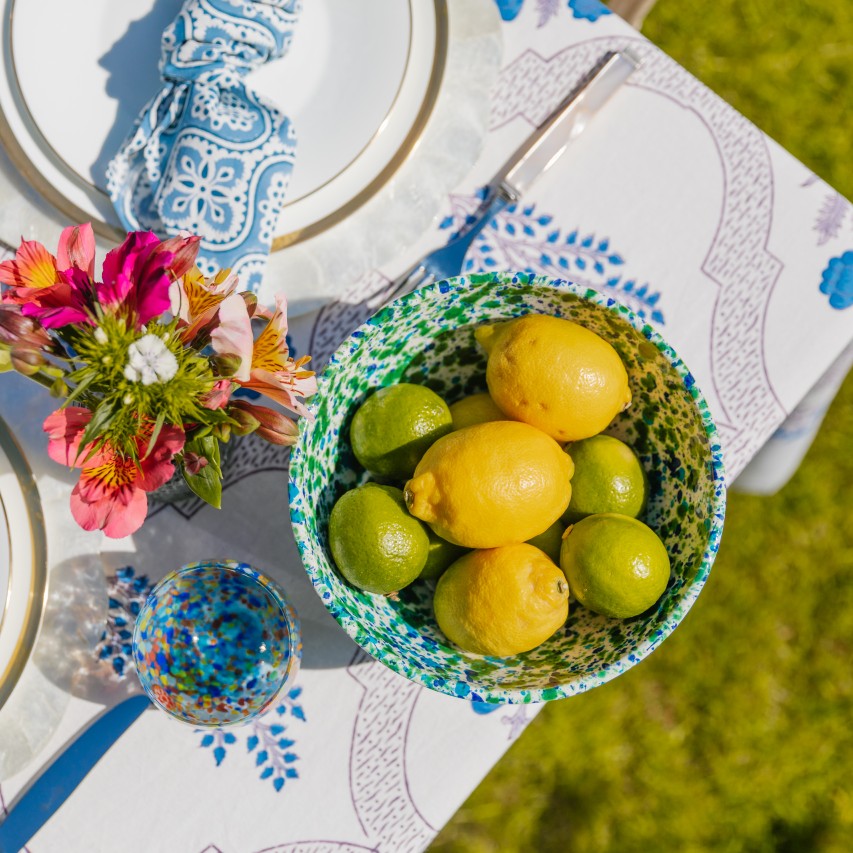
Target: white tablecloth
{"points": [[672, 202]]}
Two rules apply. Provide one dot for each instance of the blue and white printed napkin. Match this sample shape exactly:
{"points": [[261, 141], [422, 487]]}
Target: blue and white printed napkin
{"points": [[207, 154]]}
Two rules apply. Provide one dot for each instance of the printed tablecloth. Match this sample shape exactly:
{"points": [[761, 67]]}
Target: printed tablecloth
{"points": [[673, 203]]}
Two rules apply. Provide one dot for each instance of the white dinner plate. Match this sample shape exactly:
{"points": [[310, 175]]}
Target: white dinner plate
{"points": [[367, 85], [22, 562]]}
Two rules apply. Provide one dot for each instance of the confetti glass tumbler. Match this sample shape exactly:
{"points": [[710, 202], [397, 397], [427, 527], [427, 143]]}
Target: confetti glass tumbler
{"points": [[215, 643]]}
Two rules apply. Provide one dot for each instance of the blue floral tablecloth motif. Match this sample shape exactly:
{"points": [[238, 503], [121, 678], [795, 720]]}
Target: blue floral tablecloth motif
{"points": [[526, 239], [590, 10], [837, 281], [127, 593], [207, 154], [266, 740]]}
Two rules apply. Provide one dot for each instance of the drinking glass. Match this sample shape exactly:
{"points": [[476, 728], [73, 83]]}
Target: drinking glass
{"points": [[216, 643]]}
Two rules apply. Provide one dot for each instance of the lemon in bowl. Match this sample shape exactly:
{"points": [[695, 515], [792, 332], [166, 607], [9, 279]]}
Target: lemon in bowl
{"points": [[429, 338]]}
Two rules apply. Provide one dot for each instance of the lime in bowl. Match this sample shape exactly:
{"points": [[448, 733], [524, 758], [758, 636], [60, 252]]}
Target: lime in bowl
{"points": [[427, 337]]}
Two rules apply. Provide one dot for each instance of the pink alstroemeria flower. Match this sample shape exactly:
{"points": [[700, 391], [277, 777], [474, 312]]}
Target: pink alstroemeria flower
{"points": [[111, 493], [65, 429], [218, 396], [138, 274], [77, 249], [271, 369], [56, 291], [184, 249], [213, 306]]}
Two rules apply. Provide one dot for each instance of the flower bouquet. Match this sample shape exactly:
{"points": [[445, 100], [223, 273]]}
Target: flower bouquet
{"points": [[148, 361]]}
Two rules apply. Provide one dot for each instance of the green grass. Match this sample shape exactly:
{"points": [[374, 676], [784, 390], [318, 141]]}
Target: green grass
{"points": [[738, 734]]}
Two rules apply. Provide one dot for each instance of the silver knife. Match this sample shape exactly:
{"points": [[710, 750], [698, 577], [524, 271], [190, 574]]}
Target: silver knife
{"points": [[536, 155]]}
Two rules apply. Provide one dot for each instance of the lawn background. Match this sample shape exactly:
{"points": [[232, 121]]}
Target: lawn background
{"points": [[738, 734]]}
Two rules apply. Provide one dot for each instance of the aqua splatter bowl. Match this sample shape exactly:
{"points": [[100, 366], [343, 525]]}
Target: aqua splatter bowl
{"points": [[428, 337]]}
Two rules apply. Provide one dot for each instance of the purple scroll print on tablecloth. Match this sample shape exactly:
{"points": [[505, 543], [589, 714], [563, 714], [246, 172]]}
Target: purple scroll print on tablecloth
{"points": [[378, 782], [738, 260]]}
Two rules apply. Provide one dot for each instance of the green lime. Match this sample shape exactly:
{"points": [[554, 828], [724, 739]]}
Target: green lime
{"points": [[608, 478], [615, 565], [441, 554], [395, 426], [550, 541], [376, 544], [475, 409]]}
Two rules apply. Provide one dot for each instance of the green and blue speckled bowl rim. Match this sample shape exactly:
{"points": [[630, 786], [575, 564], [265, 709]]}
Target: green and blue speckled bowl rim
{"points": [[399, 664]]}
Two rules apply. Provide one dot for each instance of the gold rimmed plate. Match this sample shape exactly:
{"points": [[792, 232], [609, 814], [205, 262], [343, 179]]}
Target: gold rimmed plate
{"points": [[23, 568], [362, 83]]}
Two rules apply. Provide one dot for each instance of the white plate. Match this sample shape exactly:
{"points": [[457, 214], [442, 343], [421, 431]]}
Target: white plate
{"points": [[22, 562], [366, 84]]}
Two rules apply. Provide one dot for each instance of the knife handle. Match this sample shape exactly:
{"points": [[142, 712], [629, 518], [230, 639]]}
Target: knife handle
{"points": [[58, 781], [568, 120]]}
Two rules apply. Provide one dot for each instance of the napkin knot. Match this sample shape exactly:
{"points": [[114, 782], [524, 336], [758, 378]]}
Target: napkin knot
{"points": [[207, 154]]}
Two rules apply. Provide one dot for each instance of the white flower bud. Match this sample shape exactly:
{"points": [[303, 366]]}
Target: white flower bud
{"points": [[150, 361]]}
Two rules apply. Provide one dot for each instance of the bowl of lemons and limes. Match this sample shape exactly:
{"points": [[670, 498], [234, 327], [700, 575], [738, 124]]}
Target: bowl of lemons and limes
{"points": [[512, 489]]}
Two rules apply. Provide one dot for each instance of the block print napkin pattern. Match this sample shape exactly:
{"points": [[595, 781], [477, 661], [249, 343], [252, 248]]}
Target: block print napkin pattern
{"points": [[207, 154]]}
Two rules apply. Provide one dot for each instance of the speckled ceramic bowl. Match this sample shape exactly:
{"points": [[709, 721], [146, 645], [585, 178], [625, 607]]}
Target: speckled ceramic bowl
{"points": [[428, 337]]}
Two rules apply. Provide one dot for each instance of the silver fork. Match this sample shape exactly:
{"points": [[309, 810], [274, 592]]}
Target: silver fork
{"points": [[532, 159]]}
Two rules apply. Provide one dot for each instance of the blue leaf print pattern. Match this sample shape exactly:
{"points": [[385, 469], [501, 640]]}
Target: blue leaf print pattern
{"points": [[127, 594], [837, 281], [588, 10], [483, 708], [265, 741], [509, 9], [524, 239]]}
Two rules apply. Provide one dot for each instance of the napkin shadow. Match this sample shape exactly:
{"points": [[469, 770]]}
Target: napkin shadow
{"points": [[68, 648], [134, 78]]}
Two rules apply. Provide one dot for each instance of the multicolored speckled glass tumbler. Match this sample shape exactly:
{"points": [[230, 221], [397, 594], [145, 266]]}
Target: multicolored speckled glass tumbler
{"points": [[215, 643]]}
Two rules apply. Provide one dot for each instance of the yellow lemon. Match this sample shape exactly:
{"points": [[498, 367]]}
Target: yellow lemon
{"points": [[491, 484], [501, 601], [554, 374], [475, 409]]}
